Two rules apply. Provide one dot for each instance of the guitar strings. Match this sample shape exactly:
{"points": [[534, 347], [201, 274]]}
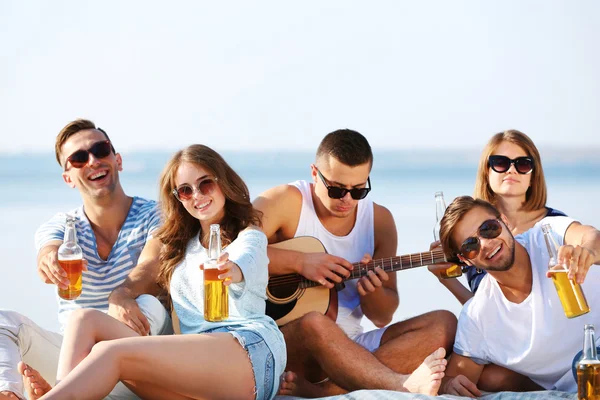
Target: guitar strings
{"points": [[288, 279]]}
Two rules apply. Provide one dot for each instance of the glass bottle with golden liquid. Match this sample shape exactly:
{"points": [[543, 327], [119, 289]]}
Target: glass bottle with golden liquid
{"points": [[454, 271], [569, 292], [588, 368], [70, 258], [216, 294]]}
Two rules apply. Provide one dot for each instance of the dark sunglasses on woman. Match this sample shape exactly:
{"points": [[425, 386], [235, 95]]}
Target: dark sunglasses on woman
{"points": [[490, 229], [501, 164], [81, 157], [336, 192], [205, 186]]}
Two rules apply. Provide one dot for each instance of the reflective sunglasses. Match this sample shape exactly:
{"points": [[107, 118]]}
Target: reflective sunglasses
{"points": [[205, 186], [490, 229], [336, 192], [81, 157], [500, 164]]}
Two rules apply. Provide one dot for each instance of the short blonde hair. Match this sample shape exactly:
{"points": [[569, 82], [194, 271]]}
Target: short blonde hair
{"points": [[536, 195]]}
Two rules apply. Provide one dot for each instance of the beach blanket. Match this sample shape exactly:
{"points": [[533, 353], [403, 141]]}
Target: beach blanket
{"points": [[389, 395]]}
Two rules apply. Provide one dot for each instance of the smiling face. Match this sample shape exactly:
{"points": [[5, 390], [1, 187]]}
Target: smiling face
{"points": [[497, 254], [338, 174], [509, 183], [208, 208], [97, 178]]}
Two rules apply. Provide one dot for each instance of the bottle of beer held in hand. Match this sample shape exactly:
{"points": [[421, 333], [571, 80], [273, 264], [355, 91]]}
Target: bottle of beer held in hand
{"points": [[453, 271], [216, 294], [569, 292], [588, 368], [70, 258]]}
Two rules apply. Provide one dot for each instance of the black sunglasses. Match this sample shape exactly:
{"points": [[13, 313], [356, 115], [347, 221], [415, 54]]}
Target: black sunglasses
{"points": [[490, 229], [501, 164], [205, 186], [81, 157], [336, 192]]}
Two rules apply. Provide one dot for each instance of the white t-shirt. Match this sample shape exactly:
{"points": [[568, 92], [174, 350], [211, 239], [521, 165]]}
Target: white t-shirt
{"points": [[533, 338]]}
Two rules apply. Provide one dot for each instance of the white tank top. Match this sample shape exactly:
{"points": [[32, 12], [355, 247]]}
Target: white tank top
{"points": [[352, 247]]}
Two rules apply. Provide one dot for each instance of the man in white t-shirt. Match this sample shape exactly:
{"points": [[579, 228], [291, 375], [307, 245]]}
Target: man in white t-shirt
{"points": [[334, 207], [516, 319]]}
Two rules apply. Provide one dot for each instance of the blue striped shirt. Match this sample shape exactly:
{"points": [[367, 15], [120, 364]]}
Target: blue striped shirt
{"points": [[102, 276]]}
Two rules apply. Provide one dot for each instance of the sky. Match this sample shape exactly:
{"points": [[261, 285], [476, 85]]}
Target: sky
{"points": [[279, 75]]}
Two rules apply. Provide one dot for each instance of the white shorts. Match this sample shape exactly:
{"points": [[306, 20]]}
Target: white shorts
{"points": [[370, 340]]}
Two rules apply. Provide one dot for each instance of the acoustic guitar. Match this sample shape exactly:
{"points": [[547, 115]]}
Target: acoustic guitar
{"points": [[291, 296]]}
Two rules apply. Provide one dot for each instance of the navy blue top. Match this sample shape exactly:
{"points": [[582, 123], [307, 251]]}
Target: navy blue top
{"points": [[474, 275]]}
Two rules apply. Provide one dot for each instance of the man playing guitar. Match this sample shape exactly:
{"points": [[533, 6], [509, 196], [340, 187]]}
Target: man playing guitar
{"points": [[337, 354]]}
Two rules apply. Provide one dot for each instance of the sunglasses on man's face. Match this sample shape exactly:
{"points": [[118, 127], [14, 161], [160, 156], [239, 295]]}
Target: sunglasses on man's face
{"points": [[501, 164], [490, 229], [205, 186], [81, 157], [336, 192]]}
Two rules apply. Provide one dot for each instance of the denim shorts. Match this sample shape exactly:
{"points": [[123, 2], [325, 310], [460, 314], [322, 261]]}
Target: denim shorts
{"points": [[261, 358]]}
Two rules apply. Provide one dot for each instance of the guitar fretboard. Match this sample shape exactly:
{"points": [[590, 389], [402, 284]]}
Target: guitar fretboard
{"points": [[390, 264]]}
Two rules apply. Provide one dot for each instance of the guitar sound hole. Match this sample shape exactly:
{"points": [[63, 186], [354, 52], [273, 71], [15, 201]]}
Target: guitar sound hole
{"points": [[283, 291]]}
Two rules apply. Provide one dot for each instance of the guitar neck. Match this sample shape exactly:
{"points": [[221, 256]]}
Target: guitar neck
{"points": [[391, 264]]}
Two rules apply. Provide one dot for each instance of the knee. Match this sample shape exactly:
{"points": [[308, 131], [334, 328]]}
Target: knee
{"points": [[314, 324], [9, 318], [84, 317], [103, 348], [444, 323]]}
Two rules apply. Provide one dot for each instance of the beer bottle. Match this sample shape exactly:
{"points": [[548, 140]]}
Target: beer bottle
{"points": [[216, 294], [453, 271], [588, 368], [569, 292], [70, 258]]}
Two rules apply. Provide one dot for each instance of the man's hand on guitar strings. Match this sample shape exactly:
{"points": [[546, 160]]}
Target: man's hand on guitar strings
{"points": [[325, 269], [373, 280]]}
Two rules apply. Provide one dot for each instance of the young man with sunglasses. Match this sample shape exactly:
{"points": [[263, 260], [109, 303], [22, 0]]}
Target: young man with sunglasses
{"points": [[115, 233], [515, 319], [335, 208]]}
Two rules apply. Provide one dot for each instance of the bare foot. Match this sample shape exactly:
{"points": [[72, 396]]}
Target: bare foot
{"points": [[35, 385], [427, 378], [295, 385], [6, 395]]}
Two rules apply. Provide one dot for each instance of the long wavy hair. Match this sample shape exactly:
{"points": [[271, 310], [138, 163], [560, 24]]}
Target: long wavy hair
{"points": [[179, 227], [536, 195]]}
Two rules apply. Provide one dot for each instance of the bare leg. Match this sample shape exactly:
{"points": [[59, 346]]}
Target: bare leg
{"points": [[315, 342], [405, 344], [86, 328], [495, 378], [212, 366], [8, 396]]}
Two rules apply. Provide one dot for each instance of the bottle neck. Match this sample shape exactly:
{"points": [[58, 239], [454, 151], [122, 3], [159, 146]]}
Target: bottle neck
{"points": [[214, 244], [552, 248], [440, 207], [589, 344], [70, 236]]}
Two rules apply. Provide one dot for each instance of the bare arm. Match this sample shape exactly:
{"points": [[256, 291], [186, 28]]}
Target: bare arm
{"points": [[281, 208], [456, 287], [379, 291], [141, 280], [462, 375]]}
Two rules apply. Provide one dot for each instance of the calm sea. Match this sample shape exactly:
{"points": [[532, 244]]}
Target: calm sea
{"points": [[403, 181]]}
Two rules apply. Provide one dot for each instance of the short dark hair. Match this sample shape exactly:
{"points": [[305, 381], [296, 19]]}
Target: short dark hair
{"points": [[347, 146], [453, 215], [72, 128]]}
